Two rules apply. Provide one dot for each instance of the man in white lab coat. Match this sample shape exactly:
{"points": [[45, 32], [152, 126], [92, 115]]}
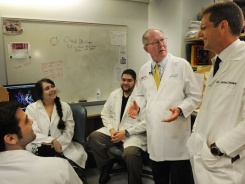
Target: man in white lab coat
{"points": [[217, 144], [118, 129], [20, 166], [169, 90]]}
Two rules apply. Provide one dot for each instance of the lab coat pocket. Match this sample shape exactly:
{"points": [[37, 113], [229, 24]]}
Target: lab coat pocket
{"points": [[175, 128], [194, 144], [214, 163], [189, 145]]}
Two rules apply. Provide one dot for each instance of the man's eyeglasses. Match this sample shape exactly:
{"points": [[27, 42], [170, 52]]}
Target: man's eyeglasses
{"points": [[157, 42], [204, 26]]}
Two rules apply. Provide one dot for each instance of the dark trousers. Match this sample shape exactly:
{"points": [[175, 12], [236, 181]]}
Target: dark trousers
{"points": [[100, 143], [174, 172], [132, 157]]}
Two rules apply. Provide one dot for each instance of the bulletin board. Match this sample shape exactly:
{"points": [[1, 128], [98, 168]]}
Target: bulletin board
{"points": [[79, 57]]}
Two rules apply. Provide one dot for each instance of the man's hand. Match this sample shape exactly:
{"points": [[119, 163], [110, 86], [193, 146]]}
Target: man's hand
{"points": [[175, 113], [118, 136], [57, 146], [133, 110], [113, 132]]}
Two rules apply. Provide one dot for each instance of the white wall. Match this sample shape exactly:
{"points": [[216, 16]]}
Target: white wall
{"points": [[132, 14], [190, 11], [173, 16], [166, 15]]}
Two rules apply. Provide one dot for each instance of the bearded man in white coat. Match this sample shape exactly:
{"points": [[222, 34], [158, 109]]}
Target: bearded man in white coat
{"points": [[217, 144], [170, 92], [20, 166], [120, 129]]}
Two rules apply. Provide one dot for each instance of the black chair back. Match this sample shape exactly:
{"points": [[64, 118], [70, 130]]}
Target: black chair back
{"points": [[80, 118]]}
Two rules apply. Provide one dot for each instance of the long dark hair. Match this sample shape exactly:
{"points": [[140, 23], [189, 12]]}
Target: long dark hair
{"points": [[39, 96]]}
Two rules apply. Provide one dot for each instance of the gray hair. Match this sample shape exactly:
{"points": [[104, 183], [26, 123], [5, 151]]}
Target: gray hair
{"points": [[145, 35]]}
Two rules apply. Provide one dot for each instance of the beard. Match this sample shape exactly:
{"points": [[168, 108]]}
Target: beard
{"points": [[127, 90]]}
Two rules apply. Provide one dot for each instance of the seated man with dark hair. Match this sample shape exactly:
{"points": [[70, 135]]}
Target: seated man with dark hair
{"points": [[119, 129], [20, 166]]}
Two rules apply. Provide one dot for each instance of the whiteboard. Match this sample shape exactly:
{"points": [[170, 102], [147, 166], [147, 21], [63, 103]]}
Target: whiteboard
{"points": [[79, 57]]}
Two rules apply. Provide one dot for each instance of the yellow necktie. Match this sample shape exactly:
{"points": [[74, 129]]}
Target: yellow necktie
{"points": [[156, 75]]}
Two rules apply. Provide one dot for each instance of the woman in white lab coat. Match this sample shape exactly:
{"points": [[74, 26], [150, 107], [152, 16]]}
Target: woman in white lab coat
{"points": [[53, 123]]}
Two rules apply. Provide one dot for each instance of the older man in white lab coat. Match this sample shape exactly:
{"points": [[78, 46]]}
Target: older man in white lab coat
{"points": [[119, 128], [217, 144], [20, 166], [169, 99]]}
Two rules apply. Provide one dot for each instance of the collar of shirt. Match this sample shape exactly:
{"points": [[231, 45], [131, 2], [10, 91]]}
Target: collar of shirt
{"points": [[15, 155], [162, 64], [225, 53]]}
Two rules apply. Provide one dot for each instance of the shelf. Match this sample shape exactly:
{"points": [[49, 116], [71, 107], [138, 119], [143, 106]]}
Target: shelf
{"points": [[242, 36], [194, 39], [200, 67]]}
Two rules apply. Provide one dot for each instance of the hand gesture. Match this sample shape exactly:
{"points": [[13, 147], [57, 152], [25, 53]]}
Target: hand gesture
{"points": [[175, 114], [133, 110]]}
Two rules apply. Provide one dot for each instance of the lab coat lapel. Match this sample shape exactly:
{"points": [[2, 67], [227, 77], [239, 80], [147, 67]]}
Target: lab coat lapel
{"points": [[42, 110], [130, 101], [149, 72], [168, 71], [54, 114], [44, 113], [225, 67], [212, 79], [221, 70], [118, 104]]}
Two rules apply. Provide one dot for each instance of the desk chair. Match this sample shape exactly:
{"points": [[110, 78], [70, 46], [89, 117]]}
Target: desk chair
{"points": [[80, 118], [118, 152], [4, 95]]}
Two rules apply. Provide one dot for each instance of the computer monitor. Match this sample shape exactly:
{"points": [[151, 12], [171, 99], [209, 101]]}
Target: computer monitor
{"points": [[23, 93]]}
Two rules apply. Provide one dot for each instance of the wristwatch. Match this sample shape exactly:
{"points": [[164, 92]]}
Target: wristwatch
{"points": [[181, 112], [126, 133], [215, 150]]}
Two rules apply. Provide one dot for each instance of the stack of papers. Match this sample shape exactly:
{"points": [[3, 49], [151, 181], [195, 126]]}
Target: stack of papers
{"points": [[193, 30]]}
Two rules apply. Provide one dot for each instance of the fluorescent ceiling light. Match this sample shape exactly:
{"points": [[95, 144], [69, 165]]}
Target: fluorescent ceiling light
{"points": [[42, 3]]}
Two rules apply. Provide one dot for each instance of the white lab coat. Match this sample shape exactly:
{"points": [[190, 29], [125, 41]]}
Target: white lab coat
{"points": [[221, 119], [42, 125], [178, 88], [110, 115], [23, 167]]}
